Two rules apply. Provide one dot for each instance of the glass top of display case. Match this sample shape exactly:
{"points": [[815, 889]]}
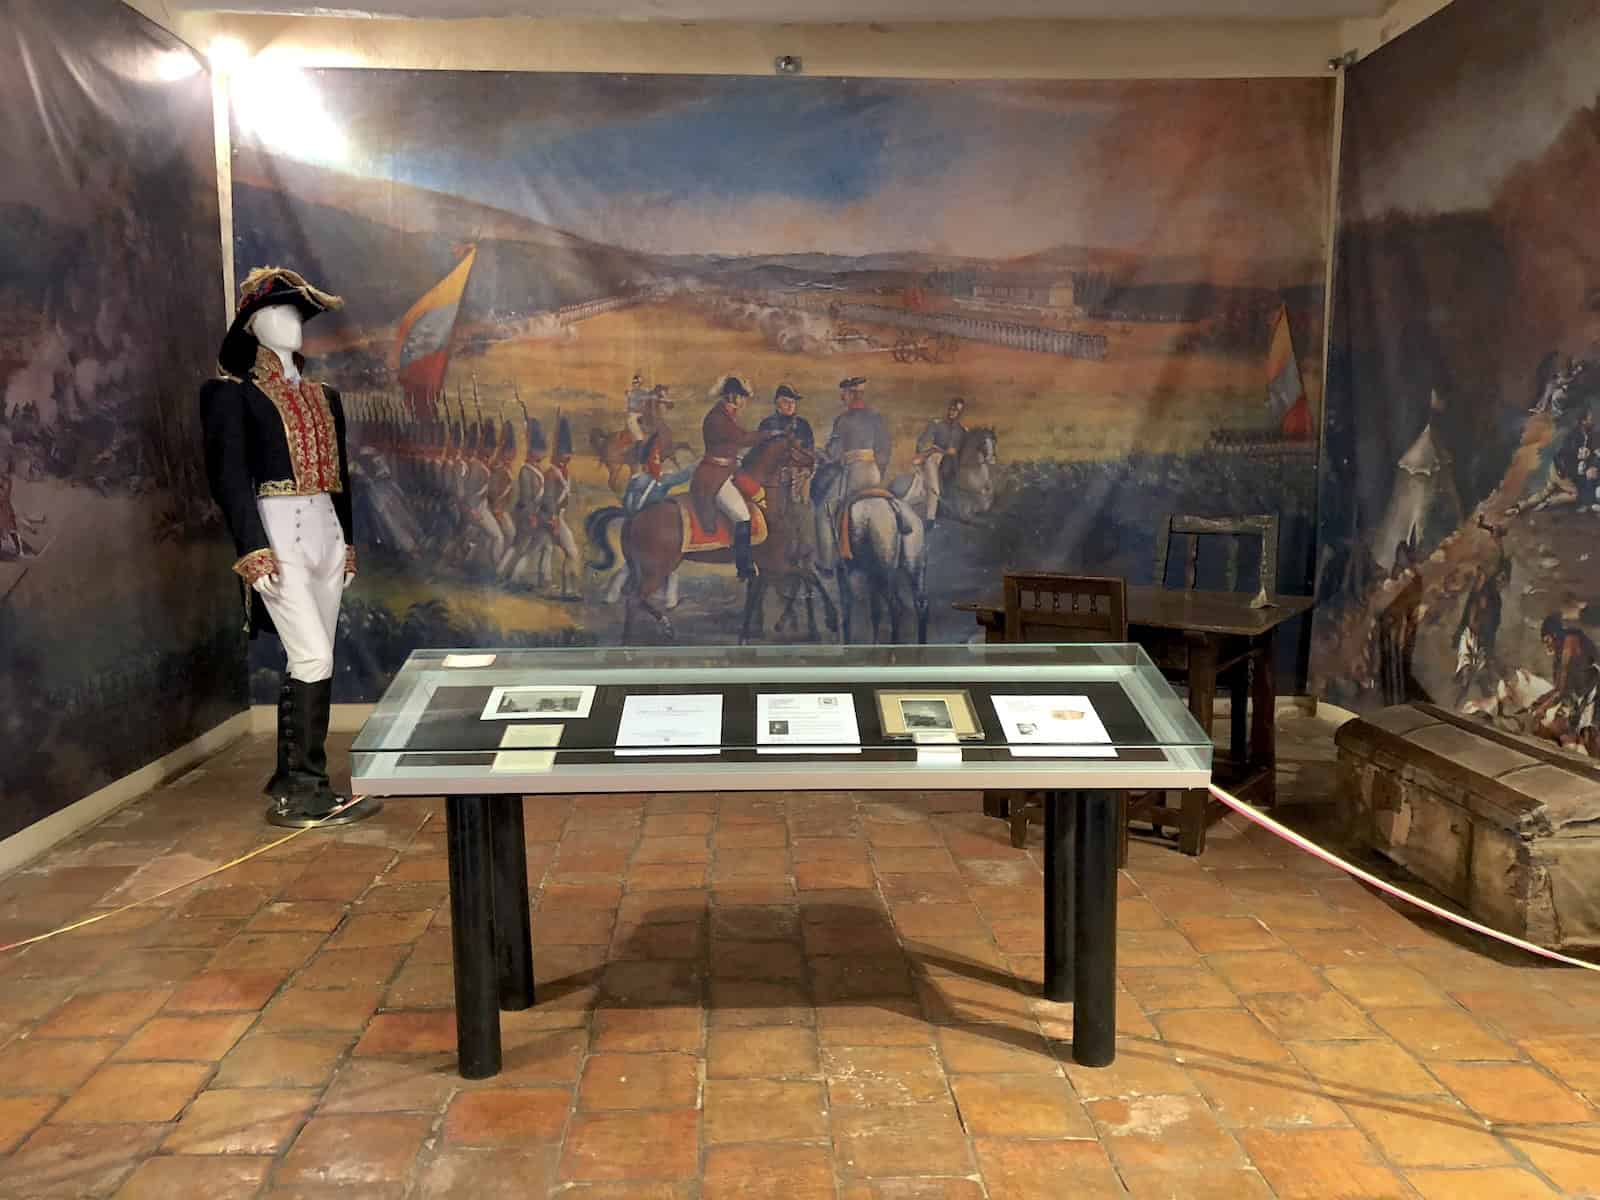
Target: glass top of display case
{"points": [[665, 718]]}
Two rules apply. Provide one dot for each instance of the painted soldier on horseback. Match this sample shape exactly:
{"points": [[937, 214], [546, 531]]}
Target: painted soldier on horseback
{"points": [[651, 485], [786, 418], [712, 490], [862, 528], [939, 441], [733, 511]]}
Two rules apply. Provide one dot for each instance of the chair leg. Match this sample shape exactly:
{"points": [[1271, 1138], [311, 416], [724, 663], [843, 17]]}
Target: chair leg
{"points": [[997, 804], [1192, 831], [1019, 821]]}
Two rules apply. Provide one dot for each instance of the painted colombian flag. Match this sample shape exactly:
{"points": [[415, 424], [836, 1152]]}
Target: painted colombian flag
{"points": [[422, 339], [1286, 393]]}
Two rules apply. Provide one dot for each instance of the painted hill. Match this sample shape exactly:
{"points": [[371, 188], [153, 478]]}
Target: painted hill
{"points": [[401, 207]]}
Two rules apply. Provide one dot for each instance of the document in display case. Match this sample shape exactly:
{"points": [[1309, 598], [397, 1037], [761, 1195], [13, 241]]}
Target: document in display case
{"points": [[690, 724], [1053, 727], [807, 721]]}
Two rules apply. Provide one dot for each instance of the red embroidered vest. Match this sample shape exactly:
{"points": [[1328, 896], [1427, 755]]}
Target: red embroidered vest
{"points": [[307, 426]]}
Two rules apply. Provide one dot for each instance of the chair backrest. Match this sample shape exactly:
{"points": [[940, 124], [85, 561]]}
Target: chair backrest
{"points": [[1045, 607], [1235, 529]]}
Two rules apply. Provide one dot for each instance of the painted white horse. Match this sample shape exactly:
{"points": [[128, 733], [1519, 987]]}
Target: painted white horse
{"points": [[968, 490]]}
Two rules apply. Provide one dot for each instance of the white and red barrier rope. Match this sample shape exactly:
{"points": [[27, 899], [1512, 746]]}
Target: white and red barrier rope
{"points": [[243, 858], [1232, 802], [1279, 829]]}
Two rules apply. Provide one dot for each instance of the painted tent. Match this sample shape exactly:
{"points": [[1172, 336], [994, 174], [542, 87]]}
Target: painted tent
{"points": [[1460, 488]]}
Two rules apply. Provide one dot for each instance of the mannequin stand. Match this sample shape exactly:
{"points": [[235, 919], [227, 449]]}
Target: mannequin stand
{"points": [[360, 811]]}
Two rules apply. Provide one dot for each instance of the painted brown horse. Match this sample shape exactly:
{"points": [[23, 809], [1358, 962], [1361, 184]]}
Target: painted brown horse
{"points": [[652, 539], [619, 453]]}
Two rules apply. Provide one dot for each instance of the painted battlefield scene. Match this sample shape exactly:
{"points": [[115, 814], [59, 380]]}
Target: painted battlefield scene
{"points": [[119, 627], [653, 359], [1461, 500]]}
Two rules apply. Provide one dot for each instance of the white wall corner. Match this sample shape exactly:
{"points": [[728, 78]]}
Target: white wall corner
{"points": [[1369, 33]]}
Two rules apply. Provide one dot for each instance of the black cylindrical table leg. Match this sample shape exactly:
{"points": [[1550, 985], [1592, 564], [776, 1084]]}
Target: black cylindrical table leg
{"points": [[1060, 838], [513, 933], [1094, 1010], [472, 935]]}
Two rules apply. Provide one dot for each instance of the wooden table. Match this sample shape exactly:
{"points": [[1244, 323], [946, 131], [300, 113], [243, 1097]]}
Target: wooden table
{"points": [[1203, 637]]}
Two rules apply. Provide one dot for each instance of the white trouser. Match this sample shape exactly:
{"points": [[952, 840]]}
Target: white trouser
{"points": [[635, 426], [491, 528], [859, 476], [930, 479], [561, 535], [309, 544], [730, 502]]}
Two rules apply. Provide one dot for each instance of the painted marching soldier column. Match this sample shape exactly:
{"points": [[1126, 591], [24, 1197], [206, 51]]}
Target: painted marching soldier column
{"points": [[529, 498], [553, 509], [278, 469], [712, 488]]}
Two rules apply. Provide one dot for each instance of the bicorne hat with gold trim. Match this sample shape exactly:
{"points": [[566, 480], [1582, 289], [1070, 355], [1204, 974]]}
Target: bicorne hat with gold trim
{"points": [[262, 288]]}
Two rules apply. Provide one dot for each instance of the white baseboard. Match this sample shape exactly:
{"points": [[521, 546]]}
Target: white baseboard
{"points": [[342, 718], [27, 844], [1296, 706]]}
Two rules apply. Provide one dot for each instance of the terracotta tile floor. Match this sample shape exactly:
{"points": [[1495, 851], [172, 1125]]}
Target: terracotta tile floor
{"points": [[745, 997]]}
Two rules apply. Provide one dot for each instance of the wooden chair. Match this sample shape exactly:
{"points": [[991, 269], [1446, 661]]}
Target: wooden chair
{"points": [[1232, 666], [1237, 530], [1043, 606], [1046, 607]]}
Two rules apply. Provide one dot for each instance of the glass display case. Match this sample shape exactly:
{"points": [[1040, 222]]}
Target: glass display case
{"points": [[779, 718]]}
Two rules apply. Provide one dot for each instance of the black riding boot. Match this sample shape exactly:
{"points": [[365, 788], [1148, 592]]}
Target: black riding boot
{"points": [[294, 785], [318, 705], [741, 550], [288, 747]]}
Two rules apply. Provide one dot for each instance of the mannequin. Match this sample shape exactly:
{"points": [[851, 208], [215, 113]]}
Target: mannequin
{"points": [[278, 467], [281, 329]]}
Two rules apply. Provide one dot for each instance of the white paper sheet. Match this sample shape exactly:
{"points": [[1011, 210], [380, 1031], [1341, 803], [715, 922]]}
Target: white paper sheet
{"points": [[937, 748], [670, 725], [516, 753], [469, 660], [539, 703], [801, 722], [1052, 727]]}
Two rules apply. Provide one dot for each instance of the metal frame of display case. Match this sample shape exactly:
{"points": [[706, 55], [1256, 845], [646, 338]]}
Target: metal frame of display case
{"points": [[404, 750]]}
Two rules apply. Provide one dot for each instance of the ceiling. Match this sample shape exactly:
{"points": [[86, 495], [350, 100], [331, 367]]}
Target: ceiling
{"points": [[798, 11]]}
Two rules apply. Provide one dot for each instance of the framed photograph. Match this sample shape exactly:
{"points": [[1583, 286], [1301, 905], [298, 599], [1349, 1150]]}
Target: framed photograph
{"points": [[919, 714], [539, 703]]}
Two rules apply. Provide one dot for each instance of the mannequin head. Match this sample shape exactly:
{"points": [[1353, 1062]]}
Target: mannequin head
{"points": [[279, 327]]}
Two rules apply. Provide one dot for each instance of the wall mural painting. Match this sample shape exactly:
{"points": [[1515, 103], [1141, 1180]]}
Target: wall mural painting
{"points": [[996, 324], [1460, 511], [119, 628]]}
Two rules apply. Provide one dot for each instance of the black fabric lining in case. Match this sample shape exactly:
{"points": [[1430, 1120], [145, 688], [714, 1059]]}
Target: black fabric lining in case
{"points": [[453, 733]]}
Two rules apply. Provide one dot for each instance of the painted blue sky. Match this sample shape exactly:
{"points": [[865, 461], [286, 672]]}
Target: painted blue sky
{"points": [[743, 165]]}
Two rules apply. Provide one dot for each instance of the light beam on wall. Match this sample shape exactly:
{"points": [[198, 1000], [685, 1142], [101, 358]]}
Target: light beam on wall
{"points": [[173, 66], [227, 54], [280, 108]]}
